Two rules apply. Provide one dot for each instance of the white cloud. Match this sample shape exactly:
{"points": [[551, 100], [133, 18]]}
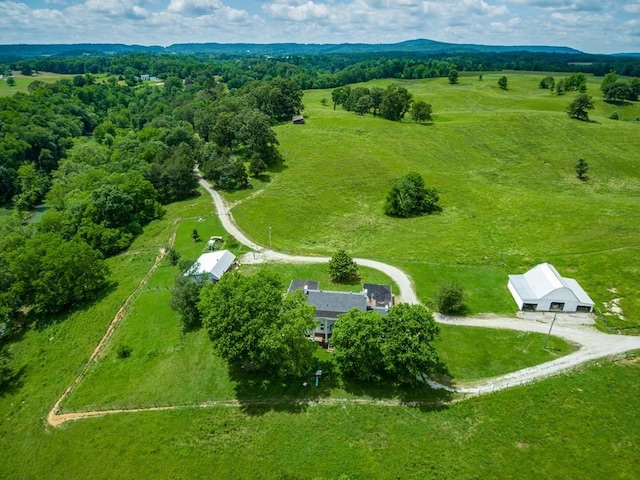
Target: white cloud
{"points": [[590, 25]]}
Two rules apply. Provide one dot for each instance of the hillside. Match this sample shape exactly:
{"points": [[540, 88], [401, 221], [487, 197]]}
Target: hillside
{"points": [[415, 46]]}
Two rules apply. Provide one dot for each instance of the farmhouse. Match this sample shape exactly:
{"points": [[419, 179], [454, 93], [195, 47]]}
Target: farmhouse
{"points": [[330, 304], [543, 289], [211, 266]]}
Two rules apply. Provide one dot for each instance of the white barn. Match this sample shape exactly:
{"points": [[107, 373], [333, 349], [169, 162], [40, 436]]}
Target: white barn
{"points": [[543, 289], [212, 265]]}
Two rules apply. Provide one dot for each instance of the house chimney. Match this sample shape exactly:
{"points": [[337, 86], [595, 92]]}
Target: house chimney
{"points": [[306, 289]]}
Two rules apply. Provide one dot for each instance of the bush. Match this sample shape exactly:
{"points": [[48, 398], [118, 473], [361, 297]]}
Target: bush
{"points": [[408, 197], [614, 116], [124, 351], [450, 299], [173, 256]]}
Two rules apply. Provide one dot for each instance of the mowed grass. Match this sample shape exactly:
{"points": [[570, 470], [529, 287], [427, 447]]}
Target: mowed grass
{"points": [[170, 367], [503, 162]]}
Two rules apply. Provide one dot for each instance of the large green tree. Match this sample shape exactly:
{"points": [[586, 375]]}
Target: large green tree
{"points": [[184, 300], [251, 324], [395, 103], [580, 107], [409, 349], [369, 345], [409, 197], [421, 111], [358, 338], [51, 274]]}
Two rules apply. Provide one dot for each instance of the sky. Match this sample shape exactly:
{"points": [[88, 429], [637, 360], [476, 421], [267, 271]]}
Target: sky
{"points": [[593, 26]]}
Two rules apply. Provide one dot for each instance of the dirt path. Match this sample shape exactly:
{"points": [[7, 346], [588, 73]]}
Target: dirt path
{"points": [[592, 344], [55, 418]]}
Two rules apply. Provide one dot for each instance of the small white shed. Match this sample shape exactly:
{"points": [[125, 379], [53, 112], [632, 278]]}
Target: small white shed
{"points": [[212, 265], [543, 289]]}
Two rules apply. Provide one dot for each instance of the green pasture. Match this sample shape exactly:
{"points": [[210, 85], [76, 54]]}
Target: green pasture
{"points": [[22, 82], [504, 163], [169, 366]]}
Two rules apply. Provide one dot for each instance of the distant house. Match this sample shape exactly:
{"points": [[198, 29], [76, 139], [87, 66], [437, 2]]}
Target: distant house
{"points": [[211, 266], [543, 289], [330, 304], [144, 77], [297, 119]]}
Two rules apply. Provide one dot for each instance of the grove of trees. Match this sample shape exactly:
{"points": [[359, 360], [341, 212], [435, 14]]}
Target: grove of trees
{"points": [[369, 346]]}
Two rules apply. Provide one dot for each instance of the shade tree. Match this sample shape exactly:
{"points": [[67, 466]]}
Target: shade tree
{"points": [[579, 108], [369, 346], [409, 197], [251, 323]]}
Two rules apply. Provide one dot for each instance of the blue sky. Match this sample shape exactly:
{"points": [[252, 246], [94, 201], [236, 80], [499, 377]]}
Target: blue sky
{"points": [[593, 26]]}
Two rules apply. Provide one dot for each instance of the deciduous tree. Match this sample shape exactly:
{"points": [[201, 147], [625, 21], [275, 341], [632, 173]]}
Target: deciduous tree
{"points": [[580, 107], [502, 82], [251, 324], [409, 349], [421, 111], [409, 197], [358, 338]]}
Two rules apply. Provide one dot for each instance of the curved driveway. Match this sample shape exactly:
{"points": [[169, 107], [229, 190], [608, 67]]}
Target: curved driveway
{"points": [[592, 343]]}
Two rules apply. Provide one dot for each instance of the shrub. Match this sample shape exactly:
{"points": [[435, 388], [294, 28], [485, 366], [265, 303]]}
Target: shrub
{"points": [[173, 256], [123, 351], [342, 268], [408, 197], [614, 116], [450, 299]]}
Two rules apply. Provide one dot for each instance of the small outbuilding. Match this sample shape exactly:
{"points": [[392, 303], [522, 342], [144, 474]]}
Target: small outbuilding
{"points": [[211, 265], [543, 289], [297, 119]]}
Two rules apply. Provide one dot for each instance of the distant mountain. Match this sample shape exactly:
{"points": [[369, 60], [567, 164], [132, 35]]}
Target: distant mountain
{"points": [[412, 46]]}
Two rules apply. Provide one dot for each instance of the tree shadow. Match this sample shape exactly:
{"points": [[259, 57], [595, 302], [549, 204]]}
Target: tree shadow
{"points": [[13, 382], [41, 320], [388, 388], [260, 392], [619, 103]]}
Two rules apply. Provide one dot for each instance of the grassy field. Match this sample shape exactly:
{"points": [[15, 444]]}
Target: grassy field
{"points": [[168, 366], [506, 192], [503, 162], [22, 82]]}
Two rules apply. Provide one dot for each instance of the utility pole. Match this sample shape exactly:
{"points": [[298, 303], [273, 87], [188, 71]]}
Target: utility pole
{"points": [[549, 334], [270, 247]]}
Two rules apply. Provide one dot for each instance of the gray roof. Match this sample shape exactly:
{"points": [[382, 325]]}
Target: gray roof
{"points": [[300, 284], [380, 294], [332, 304]]}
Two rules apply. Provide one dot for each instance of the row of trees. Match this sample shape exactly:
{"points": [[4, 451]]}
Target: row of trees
{"points": [[392, 103], [317, 71]]}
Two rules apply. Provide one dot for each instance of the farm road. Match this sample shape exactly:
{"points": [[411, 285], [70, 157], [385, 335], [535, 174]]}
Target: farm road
{"points": [[406, 294], [592, 343]]}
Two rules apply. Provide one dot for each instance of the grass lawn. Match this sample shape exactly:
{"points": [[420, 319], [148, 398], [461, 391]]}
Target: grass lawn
{"points": [[503, 162], [168, 366]]}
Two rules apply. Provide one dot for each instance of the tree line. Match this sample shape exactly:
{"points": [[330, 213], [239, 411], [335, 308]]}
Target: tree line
{"points": [[105, 157]]}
